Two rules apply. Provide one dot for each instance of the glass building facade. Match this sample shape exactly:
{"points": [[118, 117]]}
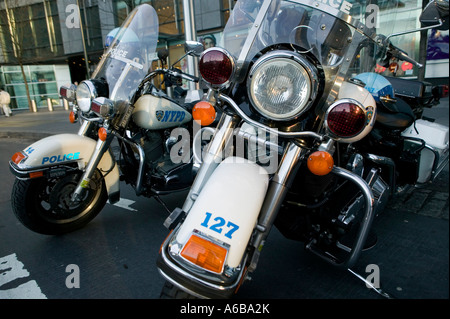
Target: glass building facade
{"points": [[45, 37]]}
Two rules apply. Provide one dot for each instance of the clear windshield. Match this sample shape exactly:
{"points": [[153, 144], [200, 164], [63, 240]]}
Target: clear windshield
{"points": [[129, 57], [341, 35]]}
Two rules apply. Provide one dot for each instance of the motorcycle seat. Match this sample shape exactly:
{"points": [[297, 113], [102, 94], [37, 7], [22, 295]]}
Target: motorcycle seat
{"points": [[395, 115]]}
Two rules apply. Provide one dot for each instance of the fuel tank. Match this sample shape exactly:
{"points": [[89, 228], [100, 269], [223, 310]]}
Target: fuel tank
{"points": [[155, 112]]}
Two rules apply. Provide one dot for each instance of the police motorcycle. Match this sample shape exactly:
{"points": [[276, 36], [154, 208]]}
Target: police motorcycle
{"points": [[309, 140], [63, 181]]}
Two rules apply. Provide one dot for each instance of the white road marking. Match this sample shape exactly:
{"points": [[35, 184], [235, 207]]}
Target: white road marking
{"points": [[125, 203], [11, 269]]}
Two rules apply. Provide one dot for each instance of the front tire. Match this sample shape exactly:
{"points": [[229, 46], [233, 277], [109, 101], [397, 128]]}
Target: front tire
{"points": [[43, 204]]}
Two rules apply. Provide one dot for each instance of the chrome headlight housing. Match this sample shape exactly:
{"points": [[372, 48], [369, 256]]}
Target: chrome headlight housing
{"points": [[86, 92], [282, 85]]}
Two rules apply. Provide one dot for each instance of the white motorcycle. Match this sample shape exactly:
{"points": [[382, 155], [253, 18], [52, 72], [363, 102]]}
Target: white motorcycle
{"points": [[311, 140], [63, 181]]}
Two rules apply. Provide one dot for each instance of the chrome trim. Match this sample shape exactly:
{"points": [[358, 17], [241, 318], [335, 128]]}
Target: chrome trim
{"points": [[90, 119], [181, 272], [197, 140], [305, 64], [438, 164], [21, 173], [140, 175], [175, 283], [278, 188], [366, 222], [414, 30], [288, 166], [268, 145], [387, 161], [236, 108], [68, 92], [92, 93], [86, 127], [213, 156], [100, 149]]}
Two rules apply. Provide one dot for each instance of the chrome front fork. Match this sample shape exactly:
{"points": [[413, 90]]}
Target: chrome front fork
{"points": [[279, 185], [213, 156], [100, 148], [278, 188]]}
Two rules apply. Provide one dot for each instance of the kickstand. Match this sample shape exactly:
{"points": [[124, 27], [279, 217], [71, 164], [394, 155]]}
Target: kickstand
{"points": [[369, 284], [159, 200]]}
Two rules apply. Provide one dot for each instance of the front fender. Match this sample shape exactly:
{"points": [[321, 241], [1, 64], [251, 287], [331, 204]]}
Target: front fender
{"points": [[64, 149], [228, 206]]}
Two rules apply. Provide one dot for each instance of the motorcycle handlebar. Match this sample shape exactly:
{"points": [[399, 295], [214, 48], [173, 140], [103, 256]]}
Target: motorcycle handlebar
{"points": [[179, 73], [401, 55]]}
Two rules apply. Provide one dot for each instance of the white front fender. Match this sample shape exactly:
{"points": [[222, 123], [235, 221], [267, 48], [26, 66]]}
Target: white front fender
{"points": [[228, 206], [61, 148]]}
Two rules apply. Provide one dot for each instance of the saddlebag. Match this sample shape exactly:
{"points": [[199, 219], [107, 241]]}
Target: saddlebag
{"points": [[434, 156]]}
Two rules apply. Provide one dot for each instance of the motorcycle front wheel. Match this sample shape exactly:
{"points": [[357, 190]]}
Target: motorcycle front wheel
{"points": [[44, 204]]}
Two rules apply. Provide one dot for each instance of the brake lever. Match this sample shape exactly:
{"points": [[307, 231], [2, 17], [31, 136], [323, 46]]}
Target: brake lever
{"points": [[401, 55], [179, 73]]}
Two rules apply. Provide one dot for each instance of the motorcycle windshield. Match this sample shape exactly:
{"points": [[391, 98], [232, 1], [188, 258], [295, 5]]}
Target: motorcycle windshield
{"points": [[129, 56], [340, 35]]}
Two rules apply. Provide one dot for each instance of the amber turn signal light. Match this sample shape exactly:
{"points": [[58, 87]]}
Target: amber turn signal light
{"points": [[102, 134], [18, 157], [320, 163], [204, 113], [205, 253], [72, 117]]}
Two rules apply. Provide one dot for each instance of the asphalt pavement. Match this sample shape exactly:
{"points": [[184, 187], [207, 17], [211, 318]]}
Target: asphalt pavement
{"points": [[413, 237]]}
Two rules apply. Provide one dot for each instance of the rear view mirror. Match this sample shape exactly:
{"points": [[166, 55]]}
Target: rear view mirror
{"points": [[194, 47], [162, 55], [435, 14]]}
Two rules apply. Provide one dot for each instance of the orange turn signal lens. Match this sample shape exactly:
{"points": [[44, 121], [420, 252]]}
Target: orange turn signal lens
{"points": [[204, 113], [17, 157], [320, 163], [72, 117], [102, 134], [205, 253], [36, 174]]}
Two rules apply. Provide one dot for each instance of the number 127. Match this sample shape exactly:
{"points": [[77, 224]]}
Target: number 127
{"points": [[219, 224]]}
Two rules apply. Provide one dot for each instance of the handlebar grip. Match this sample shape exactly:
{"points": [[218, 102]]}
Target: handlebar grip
{"points": [[179, 73], [190, 77]]}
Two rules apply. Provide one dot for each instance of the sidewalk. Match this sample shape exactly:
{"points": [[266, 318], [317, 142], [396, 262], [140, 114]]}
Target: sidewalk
{"points": [[30, 125]]}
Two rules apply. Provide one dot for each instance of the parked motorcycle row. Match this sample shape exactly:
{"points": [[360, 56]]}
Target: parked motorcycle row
{"points": [[295, 130]]}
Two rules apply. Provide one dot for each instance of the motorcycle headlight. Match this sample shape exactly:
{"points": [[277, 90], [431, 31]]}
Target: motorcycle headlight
{"points": [[282, 85], [86, 92]]}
